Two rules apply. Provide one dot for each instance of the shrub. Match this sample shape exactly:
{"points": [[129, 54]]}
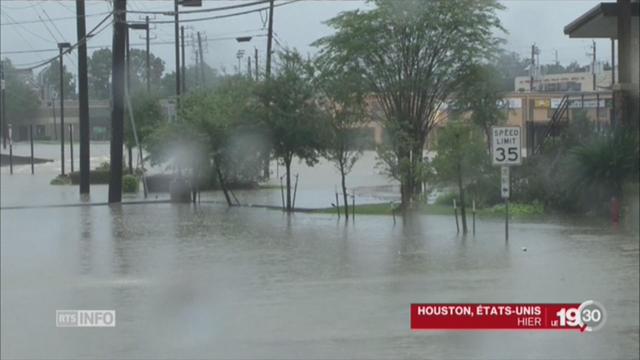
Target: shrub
{"points": [[61, 180], [129, 184]]}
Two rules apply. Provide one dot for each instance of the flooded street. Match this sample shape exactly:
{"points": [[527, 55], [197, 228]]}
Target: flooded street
{"points": [[207, 281]]}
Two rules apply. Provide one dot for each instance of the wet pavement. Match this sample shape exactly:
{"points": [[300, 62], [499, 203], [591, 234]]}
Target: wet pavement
{"points": [[207, 281]]}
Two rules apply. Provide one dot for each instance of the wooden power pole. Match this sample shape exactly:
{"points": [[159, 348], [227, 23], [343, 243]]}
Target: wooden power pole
{"points": [[83, 98], [117, 96]]}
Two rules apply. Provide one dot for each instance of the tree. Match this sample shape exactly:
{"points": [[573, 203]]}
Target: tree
{"points": [[99, 67], [21, 99], [225, 118], [412, 54], [138, 69], [605, 163], [50, 77], [148, 114], [341, 95], [291, 115], [480, 95], [461, 158]]}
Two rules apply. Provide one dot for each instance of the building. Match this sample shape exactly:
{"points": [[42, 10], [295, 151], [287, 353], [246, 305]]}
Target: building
{"points": [[619, 22]]}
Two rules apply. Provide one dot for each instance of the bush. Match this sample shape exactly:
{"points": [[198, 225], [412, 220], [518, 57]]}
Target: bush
{"points": [[60, 180], [129, 184], [520, 210]]}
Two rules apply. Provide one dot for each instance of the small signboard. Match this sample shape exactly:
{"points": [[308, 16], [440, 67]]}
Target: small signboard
{"points": [[506, 145], [504, 183]]}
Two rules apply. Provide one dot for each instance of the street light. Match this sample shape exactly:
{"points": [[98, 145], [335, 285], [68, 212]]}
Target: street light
{"points": [[239, 55], [61, 47]]}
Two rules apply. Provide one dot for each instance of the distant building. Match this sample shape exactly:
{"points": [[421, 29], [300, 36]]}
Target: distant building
{"points": [[566, 82]]}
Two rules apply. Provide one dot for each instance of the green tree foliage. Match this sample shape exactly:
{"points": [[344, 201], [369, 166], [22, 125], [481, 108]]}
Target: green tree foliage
{"points": [[291, 115], [461, 159], [510, 65], [412, 54], [21, 99], [50, 78], [480, 95], [341, 94], [99, 66], [148, 114], [604, 163], [233, 135]]}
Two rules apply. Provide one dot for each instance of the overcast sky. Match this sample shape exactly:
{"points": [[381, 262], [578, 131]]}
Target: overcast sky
{"points": [[296, 25]]}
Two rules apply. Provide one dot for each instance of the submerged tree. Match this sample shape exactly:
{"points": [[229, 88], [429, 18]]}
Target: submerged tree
{"points": [[291, 115], [461, 157], [412, 54], [341, 93], [480, 95], [148, 115]]}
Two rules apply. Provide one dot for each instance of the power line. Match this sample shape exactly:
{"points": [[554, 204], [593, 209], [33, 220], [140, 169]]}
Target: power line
{"points": [[221, 8], [226, 15], [89, 34], [53, 19], [162, 42], [25, 28]]}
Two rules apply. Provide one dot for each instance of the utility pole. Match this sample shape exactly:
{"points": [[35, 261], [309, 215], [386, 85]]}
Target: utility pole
{"points": [[184, 69], [3, 113], [269, 39], [613, 62], [62, 46], [146, 20], [265, 164], [255, 60], [201, 59], [117, 96], [593, 65], [128, 59], [249, 66], [531, 69], [83, 99], [197, 69], [177, 51]]}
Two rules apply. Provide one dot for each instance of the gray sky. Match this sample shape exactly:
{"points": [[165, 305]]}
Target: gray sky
{"points": [[295, 25]]}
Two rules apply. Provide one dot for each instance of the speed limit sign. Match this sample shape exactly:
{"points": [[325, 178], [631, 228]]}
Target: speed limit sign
{"points": [[505, 145]]}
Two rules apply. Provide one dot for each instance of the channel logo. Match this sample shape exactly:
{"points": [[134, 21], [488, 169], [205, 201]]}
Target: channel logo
{"points": [[85, 318]]}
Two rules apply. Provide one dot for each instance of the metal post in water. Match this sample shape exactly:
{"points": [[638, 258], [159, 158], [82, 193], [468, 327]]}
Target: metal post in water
{"points": [[71, 144], [282, 192], [474, 216], [295, 191], [455, 214], [10, 150], [31, 143], [353, 207], [506, 220]]}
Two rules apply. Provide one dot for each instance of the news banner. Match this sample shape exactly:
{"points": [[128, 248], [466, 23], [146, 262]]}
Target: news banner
{"points": [[586, 316]]}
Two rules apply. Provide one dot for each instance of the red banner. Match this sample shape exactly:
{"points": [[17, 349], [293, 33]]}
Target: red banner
{"points": [[526, 317]]}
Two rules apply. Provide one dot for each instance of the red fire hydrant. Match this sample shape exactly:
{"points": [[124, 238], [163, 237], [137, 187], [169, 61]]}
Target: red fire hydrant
{"points": [[615, 210]]}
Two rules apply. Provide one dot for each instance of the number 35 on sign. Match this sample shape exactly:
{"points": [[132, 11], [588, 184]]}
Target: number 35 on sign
{"points": [[506, 145]]}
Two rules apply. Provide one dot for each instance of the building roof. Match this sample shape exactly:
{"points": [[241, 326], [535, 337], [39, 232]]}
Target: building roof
{"points": [[599, 22]]}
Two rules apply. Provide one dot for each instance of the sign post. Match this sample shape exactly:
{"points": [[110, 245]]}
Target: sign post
{"points": [[506, 151]]}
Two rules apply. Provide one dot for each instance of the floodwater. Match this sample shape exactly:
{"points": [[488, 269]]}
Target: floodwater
{"points": [[207, 281]]}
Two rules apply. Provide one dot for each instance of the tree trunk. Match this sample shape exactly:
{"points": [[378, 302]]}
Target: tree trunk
{"points": [[344, 191], [287, 164], [222, 184], [463, 212], [130, 154]]}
